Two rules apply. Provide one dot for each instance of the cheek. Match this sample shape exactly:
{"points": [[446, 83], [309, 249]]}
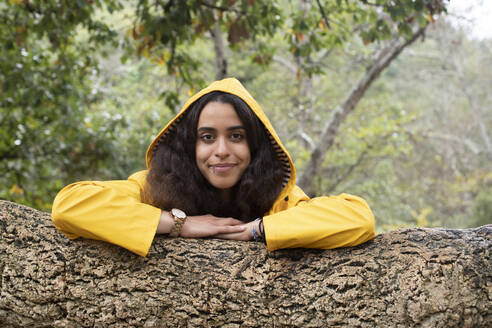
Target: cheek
{"points": [[245, 154], [200, 153]]}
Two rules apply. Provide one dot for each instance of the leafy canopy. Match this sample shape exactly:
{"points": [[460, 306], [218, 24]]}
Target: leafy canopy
{"points": [[50, 51]]}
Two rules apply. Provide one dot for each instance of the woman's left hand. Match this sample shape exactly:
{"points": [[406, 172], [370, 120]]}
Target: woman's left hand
{"points": [[243, 235]]}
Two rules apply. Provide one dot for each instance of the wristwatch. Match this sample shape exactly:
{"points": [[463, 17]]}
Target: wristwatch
{"points": [[179, 219]]}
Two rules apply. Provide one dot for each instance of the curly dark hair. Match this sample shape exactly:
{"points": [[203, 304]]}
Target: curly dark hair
{"points": [[174, 180]]}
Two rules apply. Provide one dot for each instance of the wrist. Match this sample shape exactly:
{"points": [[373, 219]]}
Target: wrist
{"points": [[166, 223], [179, 218], [257, 231]]}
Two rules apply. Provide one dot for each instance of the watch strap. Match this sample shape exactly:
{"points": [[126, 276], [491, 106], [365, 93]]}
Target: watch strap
{"points": [[178, 225]]}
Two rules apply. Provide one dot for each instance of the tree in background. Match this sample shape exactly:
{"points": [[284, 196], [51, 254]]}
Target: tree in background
{"points": [[449, 166], [101, 121], [45, 89]]}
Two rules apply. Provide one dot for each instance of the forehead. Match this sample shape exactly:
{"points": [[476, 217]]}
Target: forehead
{"points": [[218, 114]]}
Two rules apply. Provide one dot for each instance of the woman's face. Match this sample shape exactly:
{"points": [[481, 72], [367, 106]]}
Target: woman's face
{"points": [[222, 151]]}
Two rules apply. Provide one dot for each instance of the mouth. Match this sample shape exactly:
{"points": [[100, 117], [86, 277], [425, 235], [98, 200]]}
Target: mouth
{"points": [[218, 168]]}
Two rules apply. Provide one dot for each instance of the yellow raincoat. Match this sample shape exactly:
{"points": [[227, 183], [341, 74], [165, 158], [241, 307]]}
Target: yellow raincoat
{"points": [[112, 210]]}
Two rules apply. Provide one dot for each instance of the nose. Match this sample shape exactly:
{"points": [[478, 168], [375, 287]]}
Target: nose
{"points": [[222, 148]]}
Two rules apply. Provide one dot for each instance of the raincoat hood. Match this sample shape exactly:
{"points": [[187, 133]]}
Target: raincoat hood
{"points": [[233, 86]]}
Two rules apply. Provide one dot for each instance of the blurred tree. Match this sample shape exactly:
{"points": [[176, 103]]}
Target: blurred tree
{"points": [[51, 50], [413, 149], [450, 165], [401, 23], [482, 208], [45, 71]]}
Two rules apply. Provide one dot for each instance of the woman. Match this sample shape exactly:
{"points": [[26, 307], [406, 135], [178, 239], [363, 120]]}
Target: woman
{"points": [[218, 169]]}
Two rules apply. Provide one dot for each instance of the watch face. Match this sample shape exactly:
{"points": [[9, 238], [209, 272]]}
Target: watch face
{"points": [[178, 213]]}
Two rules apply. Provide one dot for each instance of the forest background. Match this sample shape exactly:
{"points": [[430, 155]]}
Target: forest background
{"points": [[384, 99]]}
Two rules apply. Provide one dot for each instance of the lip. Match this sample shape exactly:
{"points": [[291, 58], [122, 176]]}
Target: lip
{"points": [[222, 167]]}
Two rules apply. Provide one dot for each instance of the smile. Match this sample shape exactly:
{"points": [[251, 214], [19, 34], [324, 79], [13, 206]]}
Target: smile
{"points": [[219, 168]]}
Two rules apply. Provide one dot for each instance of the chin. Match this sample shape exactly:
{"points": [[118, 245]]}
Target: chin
{"points": [[224, 185]]}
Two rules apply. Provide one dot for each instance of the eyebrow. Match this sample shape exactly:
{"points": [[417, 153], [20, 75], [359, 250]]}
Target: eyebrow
{"points": [[235, 127]]}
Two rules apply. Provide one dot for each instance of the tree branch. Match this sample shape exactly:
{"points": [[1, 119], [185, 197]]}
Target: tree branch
{"points": [[405, 278], [347, 173], [382, 60], [474, 148], [306, 138], [287, 64], [322, 11]]}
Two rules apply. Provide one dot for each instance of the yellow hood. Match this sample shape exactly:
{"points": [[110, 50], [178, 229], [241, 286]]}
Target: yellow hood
{"points": [[233, 86]]}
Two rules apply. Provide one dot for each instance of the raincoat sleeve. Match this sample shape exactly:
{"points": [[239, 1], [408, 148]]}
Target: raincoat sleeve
{"points": [[107, 210], [322, 222]]}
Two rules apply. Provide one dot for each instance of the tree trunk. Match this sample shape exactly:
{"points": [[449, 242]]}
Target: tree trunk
{"points": [[405, 278], [382, 60], [220, 57]]}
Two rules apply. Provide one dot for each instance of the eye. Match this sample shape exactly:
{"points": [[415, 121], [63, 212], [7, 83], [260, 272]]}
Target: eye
{"points": [[207, 137], [237, 136]]}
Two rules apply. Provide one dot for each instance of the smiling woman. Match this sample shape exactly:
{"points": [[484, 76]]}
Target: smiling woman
{"points": [[222, 151], [219, 170], [219, 145]]}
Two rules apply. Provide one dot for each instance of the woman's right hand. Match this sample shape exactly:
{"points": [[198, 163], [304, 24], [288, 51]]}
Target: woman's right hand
{"points": [[209, 225], [201, 225]]}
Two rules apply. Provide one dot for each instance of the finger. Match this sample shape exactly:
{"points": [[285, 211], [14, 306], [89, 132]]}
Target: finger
{"points": [[231, 221], [243, 235], [232, 229], [232, 236]]}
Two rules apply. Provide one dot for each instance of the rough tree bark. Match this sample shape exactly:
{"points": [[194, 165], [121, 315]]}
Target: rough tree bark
{"points": [[406, 278], [382, 60]]}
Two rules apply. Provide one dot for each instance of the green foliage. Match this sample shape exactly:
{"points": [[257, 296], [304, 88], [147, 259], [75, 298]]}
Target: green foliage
{"points": [[70, 110], [164, 31], [482, 208], [132, 94], [329, 24], [412, 148], [43, 96]]}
